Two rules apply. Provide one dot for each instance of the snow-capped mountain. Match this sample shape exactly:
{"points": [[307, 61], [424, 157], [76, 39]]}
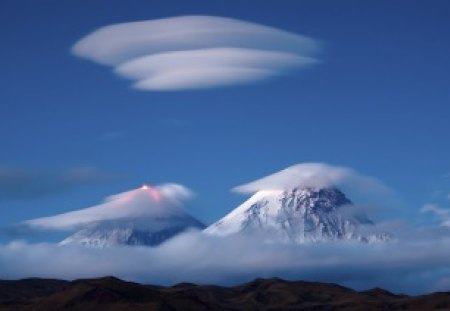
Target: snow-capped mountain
{"points": [[144, 231], [145, 216], [299, 215]]}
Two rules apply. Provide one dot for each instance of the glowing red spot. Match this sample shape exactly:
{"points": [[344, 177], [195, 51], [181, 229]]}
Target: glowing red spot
{"points": [[152, 191]]}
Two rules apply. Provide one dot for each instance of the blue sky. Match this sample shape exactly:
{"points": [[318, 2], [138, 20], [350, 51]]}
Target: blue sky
{"points": [[378, 102]]}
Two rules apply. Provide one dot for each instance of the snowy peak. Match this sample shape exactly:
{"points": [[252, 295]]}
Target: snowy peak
{"points": [[297, 215], [325, 199], [145, 216]]}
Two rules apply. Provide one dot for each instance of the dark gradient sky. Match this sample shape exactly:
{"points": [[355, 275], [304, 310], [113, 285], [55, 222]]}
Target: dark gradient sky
{"points": [[378, 102]]}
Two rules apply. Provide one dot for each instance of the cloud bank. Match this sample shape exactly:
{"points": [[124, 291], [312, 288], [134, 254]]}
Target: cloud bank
{"points": [[18, 183], [156, 201], [194, 52], [415, 264]]}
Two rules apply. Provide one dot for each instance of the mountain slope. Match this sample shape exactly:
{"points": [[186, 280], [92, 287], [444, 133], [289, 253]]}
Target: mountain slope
{"points": [[110, 293], [299, 215], [146, 216], [145, 231]]}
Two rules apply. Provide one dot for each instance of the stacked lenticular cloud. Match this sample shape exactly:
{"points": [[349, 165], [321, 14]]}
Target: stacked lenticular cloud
{"points": [[193, 52]]}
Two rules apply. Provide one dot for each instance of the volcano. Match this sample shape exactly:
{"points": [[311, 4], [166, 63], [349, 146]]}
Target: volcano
{"points": [[299, 215]]}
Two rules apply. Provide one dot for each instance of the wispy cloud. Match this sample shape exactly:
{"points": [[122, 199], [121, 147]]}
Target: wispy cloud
{"points": [[19, 183], [443, 214], [192, 52], [145, 201]]}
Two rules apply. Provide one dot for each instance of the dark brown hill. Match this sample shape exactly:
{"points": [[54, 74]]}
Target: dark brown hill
{"points": [[110, 293]]}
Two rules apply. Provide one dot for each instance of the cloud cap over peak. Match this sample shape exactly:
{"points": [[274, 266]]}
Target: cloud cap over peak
{"points": [[159, 201], [315, 175], [190, 52]]}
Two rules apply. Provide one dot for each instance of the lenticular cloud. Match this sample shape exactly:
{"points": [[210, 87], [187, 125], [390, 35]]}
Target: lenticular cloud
{"points": [[193, 52], [316, 175], [146, 201], [319, 175]]}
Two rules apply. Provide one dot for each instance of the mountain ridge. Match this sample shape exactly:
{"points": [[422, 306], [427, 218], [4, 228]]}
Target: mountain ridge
{"points": [[111, 293], [300, 215]]}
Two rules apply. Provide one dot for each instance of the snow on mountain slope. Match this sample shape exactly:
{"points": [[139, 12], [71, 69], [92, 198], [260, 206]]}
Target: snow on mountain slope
{"points": [[142, 231], [145, 216], [299, 215]]}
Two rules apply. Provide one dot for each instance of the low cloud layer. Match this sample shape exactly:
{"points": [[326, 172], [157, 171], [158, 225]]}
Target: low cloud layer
{"points": [[19, 184], [146, 201], [193, 52], [415, 264]]}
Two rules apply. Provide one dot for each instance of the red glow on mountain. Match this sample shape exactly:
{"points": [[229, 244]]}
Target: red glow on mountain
{"points": [[154, 193]]}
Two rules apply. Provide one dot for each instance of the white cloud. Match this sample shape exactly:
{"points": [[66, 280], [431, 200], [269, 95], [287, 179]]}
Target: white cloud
{"points": [[366, 192], [416, 263], [191, 52], [316, 175], [442, 213], [144, 201]]}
